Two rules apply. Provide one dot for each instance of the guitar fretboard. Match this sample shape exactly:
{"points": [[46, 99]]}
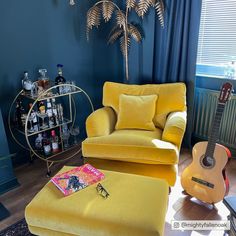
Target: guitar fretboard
{"points": [[214, 134]]}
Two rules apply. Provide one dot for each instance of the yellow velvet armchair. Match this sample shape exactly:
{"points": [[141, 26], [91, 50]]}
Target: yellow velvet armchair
{"points": [[146, 152]]}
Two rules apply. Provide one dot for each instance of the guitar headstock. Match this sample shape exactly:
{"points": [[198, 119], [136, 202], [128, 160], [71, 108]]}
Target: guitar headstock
{"points": [[225, 92]]}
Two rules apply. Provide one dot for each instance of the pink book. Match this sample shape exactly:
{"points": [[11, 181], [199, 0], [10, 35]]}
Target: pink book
{"points": [[77, 178]]}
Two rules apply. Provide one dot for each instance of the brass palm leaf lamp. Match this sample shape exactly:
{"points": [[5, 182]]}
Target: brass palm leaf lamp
{"points": [[123, 29]]}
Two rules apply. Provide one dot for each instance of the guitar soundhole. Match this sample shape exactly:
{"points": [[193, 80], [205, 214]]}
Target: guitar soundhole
{"points": [[207, 162]]}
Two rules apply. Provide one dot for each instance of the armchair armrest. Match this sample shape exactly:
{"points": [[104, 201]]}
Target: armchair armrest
{"points": [[101, 122], [175, 127]]}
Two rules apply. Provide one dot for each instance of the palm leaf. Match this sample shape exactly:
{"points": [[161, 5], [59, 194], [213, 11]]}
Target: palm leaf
{"points": [[143, 7], [153, 2], [107, 10], [120, 18], [130, 4], [135, 33], [160, 11], [93, 18], [115, 33], [123, 45]]}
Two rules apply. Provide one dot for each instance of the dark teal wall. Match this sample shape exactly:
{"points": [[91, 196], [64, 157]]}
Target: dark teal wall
{"points": [[43, 33]]}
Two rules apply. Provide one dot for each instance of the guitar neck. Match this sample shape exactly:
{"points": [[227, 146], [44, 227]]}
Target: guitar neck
{"points": [[214, 134]]}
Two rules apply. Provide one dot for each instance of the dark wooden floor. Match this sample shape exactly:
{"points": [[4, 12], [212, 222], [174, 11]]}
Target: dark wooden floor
{"points": [[181, 207]]}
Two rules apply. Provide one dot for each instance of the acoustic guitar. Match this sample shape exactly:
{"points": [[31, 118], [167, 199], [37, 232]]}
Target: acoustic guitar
{"points": [[205, 177]]}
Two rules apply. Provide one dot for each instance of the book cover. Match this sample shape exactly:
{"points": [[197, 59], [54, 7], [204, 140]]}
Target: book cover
{"points": [[77, 178]]}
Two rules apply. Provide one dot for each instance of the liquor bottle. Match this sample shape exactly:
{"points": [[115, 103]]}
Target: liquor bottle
{"points": [[43, 80], [23, 114], [54, 112], [26, 83], [60, 113], [50, 114], [34, 120], [30, 121], [60, 79], [18, 113], [54, 141], [39, 143], [46, 145]]}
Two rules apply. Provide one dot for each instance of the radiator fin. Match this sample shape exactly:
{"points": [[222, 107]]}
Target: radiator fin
{"points": [[205, 104]]}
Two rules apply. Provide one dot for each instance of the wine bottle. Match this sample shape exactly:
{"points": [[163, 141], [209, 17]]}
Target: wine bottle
{"points": [[60, 113], [60, 79], [54, 112], [46, 145], [18, 112], [30, 121], [33, 119], [50, 114], [54, 141], [39, 143]]}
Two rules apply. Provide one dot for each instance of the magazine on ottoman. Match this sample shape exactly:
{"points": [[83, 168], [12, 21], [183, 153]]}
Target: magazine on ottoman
{"points": [[77, 178]]}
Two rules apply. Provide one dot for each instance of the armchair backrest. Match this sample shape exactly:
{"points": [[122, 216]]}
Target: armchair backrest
{"points": [[171, 97]]}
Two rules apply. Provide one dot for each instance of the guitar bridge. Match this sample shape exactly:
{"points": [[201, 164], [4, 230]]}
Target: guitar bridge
{"points": [[203, 182]]}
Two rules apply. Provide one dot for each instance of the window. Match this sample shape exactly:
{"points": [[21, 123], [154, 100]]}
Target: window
{"points": [[217, 36]]}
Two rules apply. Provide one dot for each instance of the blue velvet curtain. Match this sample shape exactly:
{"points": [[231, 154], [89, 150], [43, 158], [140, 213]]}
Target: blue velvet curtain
{"points": [[169, 55]]}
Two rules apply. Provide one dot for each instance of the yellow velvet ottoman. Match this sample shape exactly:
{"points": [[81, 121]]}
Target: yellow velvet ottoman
{"points": [[136, 207]]}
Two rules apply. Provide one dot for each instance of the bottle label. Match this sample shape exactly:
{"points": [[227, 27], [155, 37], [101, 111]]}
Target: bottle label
{"points": [[34, 117], [55, 146], [49, 112], [38, 144], [36, 128], [51, 121], [54, 111], [47, 149]]}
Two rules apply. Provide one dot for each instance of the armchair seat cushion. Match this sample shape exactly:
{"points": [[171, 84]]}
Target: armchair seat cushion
{"points": [[138, 146]]}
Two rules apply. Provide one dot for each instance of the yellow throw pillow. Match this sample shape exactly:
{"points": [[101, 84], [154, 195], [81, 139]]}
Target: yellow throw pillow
{"points": [[136, 112]]}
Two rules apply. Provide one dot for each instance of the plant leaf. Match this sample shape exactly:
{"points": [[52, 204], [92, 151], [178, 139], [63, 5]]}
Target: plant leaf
{"points": [[130, 4], [120, 18], [115, 33], [135, 33], [143, 7], [93, 18], [107, 10], [160, 11], [153, 3], [123, 45]]}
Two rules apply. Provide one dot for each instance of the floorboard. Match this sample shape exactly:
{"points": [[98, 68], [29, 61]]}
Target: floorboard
{"points": [[32, 178]]}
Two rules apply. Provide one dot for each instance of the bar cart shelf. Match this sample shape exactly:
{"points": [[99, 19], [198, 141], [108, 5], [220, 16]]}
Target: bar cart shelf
{"points": [[51, 93]]}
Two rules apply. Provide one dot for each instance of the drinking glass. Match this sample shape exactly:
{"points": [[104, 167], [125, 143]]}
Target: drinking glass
{"points": [[65, 136], [75, 131], [42, 116], [30, 125]]}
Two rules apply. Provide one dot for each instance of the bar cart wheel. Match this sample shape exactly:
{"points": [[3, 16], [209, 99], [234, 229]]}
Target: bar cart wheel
{"points": [[49, 174]]}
